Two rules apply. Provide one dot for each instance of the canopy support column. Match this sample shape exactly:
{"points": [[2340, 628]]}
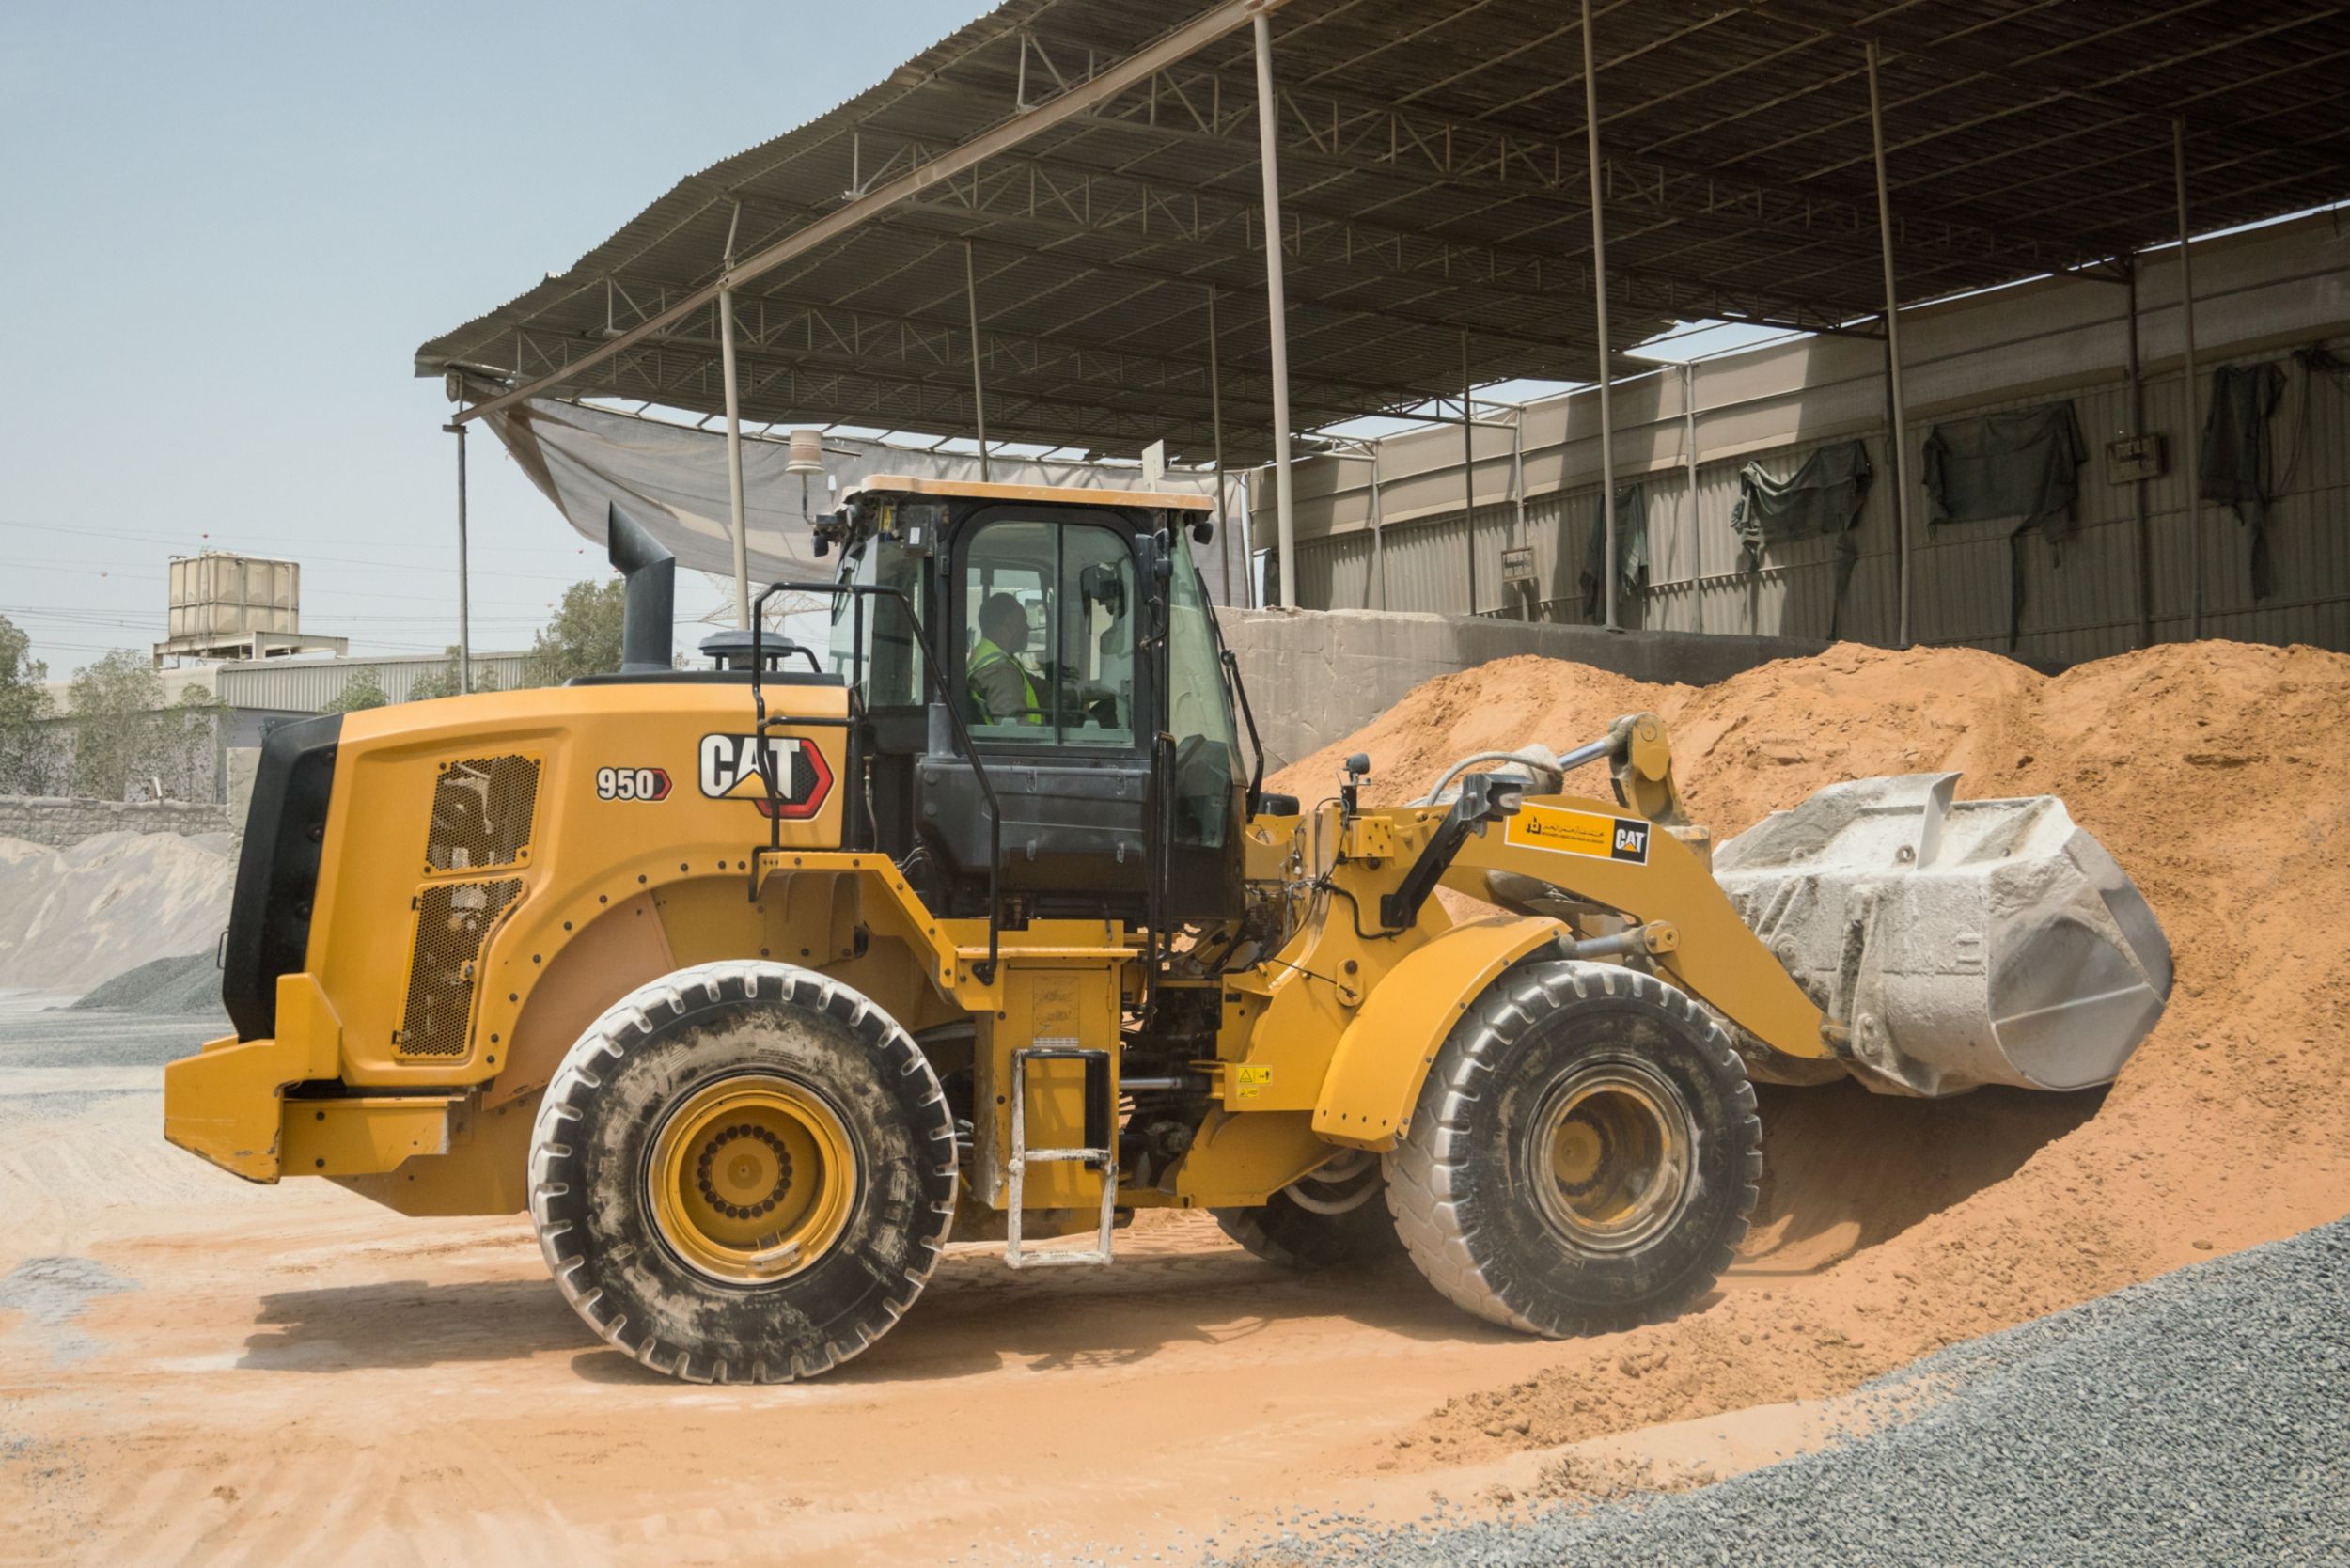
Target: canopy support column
{"points": [[1689, 458], [2194, 439], [1468, 474], [737, 527], [978, 393], [1276, 314], [1234, 592], [2138, 487], [1896, 450], [1599, 299], [1528, 605], [464, 613]]}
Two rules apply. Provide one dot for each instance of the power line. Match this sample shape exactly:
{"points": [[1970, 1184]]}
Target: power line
{"points": [[206, 544]]}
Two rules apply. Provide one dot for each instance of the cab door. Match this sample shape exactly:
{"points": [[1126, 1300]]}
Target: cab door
{"points": [[1044, 652]]}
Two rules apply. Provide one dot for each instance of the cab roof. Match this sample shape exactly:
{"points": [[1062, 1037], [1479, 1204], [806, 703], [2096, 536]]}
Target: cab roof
{"points": [[900, 484]]}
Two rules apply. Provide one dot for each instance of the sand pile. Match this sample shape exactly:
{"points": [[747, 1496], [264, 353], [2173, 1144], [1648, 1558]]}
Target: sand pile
{"points": [[73, 919], [2218, 775]]}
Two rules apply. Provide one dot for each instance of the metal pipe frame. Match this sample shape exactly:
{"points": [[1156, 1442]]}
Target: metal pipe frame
{"points": [[465, 611], [1191, 100], [1598, 300], [1468, 471], [1897, 437], [1276, 314], [979, 391], [1517, 483], [738, 526], [1689, 456], [1215, 418], [1335, 130], [2194, 436], [2144, 535], [1001, 137]]}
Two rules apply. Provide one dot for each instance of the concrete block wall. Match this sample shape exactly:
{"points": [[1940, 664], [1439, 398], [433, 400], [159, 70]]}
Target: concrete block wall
{"points": [[61, 820], [1317, 675]]}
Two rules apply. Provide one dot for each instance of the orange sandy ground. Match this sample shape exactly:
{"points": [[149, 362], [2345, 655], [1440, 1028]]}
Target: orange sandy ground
{"points": [[298, 1375]]}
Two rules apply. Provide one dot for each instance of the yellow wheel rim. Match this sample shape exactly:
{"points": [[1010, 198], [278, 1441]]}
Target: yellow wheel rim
{"points": [[751, 1179], [1613, 1153]]}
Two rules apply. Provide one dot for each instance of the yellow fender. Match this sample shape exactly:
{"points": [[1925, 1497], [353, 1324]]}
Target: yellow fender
{"points": [[1383, 1058]]}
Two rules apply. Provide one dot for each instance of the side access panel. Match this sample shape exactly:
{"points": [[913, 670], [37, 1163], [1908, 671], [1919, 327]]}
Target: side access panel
{"points": [[1074, 1004]]}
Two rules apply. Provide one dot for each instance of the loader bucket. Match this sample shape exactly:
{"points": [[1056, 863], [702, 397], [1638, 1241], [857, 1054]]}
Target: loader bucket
{"points": [[1960, 942]]}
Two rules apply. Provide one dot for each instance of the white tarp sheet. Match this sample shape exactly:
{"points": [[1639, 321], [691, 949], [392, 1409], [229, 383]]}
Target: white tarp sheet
{"points": [[673, 479]]}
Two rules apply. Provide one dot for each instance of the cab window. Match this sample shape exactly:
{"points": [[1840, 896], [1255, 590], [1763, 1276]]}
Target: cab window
{"points": [[1199, 712], [888, 662], [1049, 634]]}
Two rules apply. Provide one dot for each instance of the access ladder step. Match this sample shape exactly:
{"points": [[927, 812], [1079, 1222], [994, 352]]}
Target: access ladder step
{"points": [[1101, 1123]]}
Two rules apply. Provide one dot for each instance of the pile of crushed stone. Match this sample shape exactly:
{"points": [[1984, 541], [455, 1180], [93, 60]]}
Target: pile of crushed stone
{"points": [[187, 985], [2218, 775], [71, 920], [2195, 1418]]}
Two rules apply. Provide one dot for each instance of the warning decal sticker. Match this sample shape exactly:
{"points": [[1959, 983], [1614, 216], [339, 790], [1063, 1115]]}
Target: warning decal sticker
{"points": [[1565, 832]]}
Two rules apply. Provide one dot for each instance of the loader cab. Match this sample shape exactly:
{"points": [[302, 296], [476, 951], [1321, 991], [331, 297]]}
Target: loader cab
{"points": [[1078, 643]]}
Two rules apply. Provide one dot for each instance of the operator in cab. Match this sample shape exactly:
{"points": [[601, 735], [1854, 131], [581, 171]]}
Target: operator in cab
{"points": [[1002, 690]]}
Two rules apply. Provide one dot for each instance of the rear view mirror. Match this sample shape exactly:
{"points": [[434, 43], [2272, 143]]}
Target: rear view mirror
{"points": [[1101, 584]]}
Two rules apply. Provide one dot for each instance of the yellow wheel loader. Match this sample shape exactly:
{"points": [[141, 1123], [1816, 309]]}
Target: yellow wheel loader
{"points": [[754, 984]]}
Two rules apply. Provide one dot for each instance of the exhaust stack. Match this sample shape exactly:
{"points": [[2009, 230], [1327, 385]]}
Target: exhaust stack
{"points": [[651, 571]]}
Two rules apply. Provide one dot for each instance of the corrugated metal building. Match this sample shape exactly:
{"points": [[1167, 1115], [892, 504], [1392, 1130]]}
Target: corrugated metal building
{"points": [[307, 685], [2258, 295]]}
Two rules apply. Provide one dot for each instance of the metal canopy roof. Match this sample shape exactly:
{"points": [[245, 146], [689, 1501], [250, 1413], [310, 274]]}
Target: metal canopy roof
{"points": [[1434, 184]]}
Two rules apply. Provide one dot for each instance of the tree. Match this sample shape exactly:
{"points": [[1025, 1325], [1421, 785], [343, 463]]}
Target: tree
{"points": [[443, 682], [128, 737], [24, 743], [584, 639], [189, 742], [114, 703], [360, 692]]}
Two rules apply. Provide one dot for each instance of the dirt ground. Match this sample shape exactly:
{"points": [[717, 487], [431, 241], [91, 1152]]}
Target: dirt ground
{"points": [[192, 1369], [198, 1370]]}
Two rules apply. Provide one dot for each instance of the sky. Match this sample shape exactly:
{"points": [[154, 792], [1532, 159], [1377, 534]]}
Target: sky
{"points": [[225, 229]]}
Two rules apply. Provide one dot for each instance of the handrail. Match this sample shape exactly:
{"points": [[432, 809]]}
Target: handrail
{"points": [[1248, 716], [858, 593]]}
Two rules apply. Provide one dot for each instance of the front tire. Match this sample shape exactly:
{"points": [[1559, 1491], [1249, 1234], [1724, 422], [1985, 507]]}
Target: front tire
{"points": [[742, 1172], [1583, 1155]]}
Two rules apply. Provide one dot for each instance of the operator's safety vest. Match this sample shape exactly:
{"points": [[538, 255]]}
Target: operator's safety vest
{"points": [[985, 655]]}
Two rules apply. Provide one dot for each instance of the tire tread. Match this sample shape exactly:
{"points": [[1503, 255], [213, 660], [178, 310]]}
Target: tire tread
{"points": [[635, 1018], [1422, 1170]]}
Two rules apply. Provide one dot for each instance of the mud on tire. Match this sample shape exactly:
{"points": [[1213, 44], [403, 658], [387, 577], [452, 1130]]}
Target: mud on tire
{"points": [[1583, 1155], [678, 1043]]}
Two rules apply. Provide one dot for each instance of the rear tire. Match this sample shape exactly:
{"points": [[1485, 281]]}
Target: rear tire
{"points": [[1320, 1220], [742, 1172], [1583, 1155]]}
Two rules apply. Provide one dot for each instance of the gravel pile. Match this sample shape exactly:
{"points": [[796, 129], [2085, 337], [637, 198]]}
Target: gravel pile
{"points": [[2201, 1418], [41, 1040], [188, 986]]}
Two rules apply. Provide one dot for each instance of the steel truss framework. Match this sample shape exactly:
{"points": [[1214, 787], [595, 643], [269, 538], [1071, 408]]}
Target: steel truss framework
{"points": [[1435, 193]]}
